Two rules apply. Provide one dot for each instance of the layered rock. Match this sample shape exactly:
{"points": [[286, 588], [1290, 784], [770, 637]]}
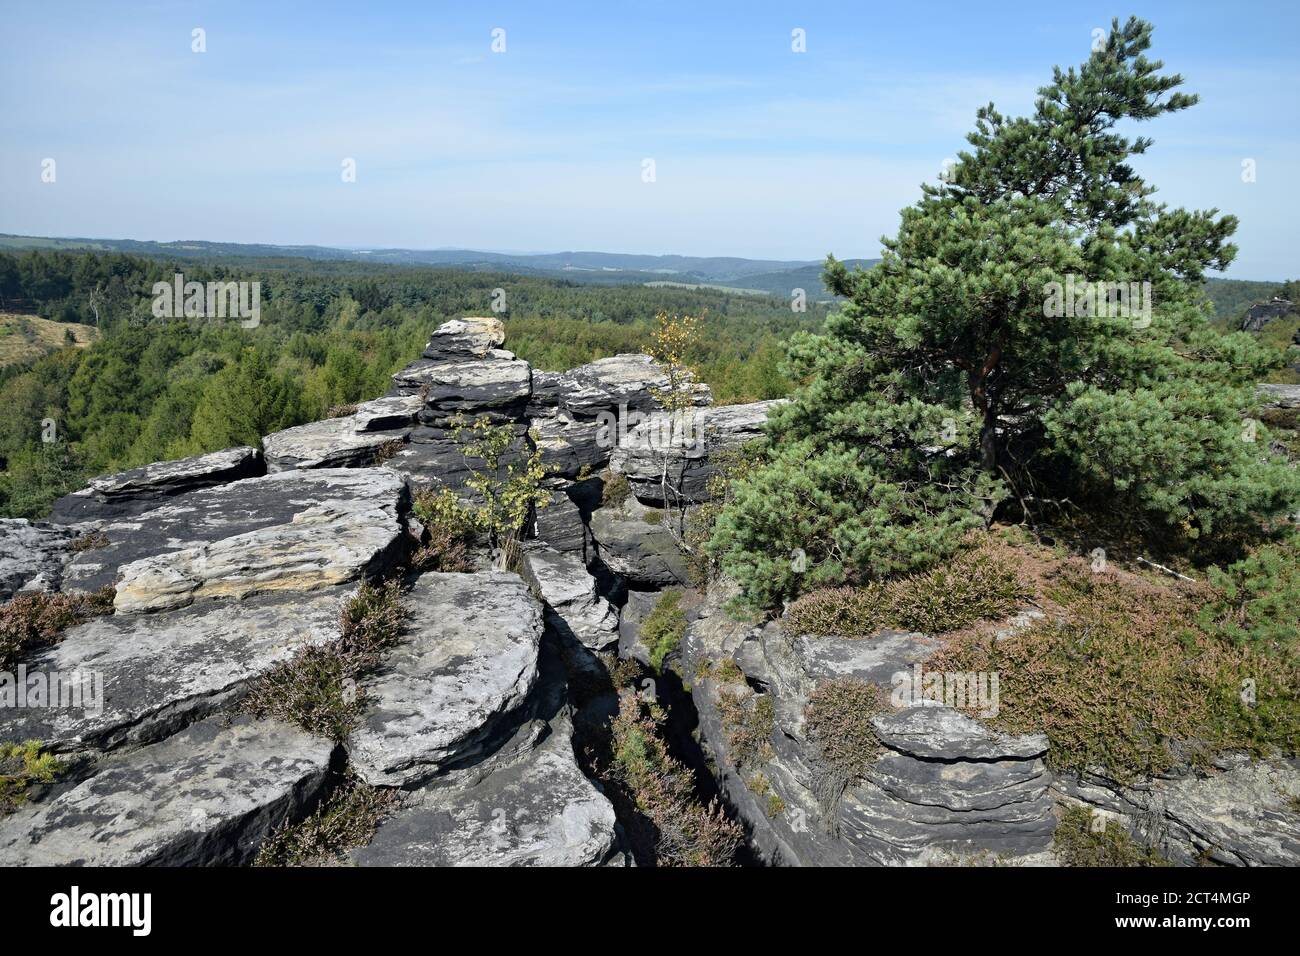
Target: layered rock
{"points": [[142, 489], [472, 337], [156, 673], [632, 541], [944, 785], [468, 664], [675, 454], [218, 528], [1240, 814], [209, 795], [341, 442], [569, 593]]}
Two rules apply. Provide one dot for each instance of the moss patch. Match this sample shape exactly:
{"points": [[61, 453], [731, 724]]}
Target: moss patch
{"points": [[22, 765]]}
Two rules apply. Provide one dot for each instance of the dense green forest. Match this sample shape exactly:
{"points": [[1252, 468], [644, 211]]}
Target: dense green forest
{"points": [[331, 333]]}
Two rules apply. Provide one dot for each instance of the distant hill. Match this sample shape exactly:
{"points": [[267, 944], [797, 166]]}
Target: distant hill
{"points": [[589, 267], [24, 338]]}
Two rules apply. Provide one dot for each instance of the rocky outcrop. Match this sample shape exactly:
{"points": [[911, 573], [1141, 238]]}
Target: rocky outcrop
{"points": [[944, 786], [467, 666], [142, 489], [631, 541], [330, 542], [210, 795], [678, 452], [1239, 814], [156, 673], [472, 337], [32, 556], [332, 443], [569, 593]]}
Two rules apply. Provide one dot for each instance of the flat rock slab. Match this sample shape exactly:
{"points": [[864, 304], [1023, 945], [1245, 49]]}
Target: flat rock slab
{"points": [[469, 660], [158, 672], [342, 442], [393, 411], [32, 556], [467, 386], [141, 489], [540, 811], [942, 733], [331, 517], [210, 795]]}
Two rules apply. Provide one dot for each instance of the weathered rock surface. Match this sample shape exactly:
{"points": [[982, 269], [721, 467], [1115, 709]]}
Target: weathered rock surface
{"points": [[570, 447], [467, 665], [632, 541], [142, 489], [627, 381], [1279, 396], [569, 592], [391, 411], [681, 449], [560, 526], [207, 796], [1242, 816], [212, 515], [945, 783], [472, 337], [494, 386], [330, 443], [538, 811], [159, 672], [435, 458], [329, 543], [32, 556]]}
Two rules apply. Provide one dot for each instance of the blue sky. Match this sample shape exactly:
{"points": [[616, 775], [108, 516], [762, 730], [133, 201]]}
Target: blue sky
{"points": [[758, 151]]}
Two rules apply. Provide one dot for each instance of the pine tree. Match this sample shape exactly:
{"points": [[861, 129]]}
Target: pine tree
{"points": [[1034, 330]]}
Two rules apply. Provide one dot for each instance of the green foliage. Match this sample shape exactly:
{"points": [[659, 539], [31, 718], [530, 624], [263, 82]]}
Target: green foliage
{"points": [[316, 688], [345, 821], [1076, 843], [974, 586], [508, 484], [663, 628], [669, 826], [1257, 599], [22, 765], [29, 622], [451, 528], [950, 378]]}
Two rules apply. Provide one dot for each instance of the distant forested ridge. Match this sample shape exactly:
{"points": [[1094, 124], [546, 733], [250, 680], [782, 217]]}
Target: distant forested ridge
{"points": [[331, 334]]}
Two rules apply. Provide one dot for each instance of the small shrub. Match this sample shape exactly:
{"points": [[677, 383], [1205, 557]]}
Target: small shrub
{"points": [[1076, 844], [388, 450], [316, 688], [1257, 599], [1123, 680], [653, 516], [451, 531], [663, 628], [775, 805], [32, 621], [671, 826], [614, 489], [747, 721], [90, 541], [345, 821], [341, 411], [974, 586], [838, 721], [21, 765]]}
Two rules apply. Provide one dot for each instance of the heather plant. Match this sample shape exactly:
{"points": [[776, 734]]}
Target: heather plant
{"points": [[29, 622], [316, 688], [663, 628], [955, 381], [345, 820]]}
